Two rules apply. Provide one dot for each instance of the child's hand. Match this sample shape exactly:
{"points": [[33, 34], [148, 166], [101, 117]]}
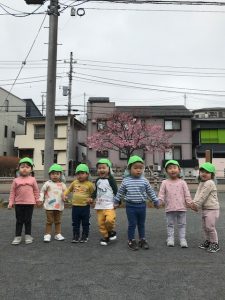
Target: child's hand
{"points": [[193, 206], [64, 198], [90, 201], [10, 206], [92, 204], [157, 204], [116, 205], [39, 203]]}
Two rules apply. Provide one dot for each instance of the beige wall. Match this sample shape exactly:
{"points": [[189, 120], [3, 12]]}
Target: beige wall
{"points": [[28, 142]]}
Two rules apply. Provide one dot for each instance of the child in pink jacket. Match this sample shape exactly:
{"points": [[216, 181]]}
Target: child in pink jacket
{"points": [[175, 195], [24, 195]]}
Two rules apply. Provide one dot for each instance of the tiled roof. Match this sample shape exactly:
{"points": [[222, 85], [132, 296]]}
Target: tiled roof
{"points": [[156, 111]]}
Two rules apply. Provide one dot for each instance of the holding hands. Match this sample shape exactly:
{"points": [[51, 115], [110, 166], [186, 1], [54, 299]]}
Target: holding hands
{"points": [[192, 206]]}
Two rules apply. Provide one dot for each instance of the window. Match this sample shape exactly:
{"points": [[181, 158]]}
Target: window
{"points": [[5, 153], [174, 153], [6, 131], [101, 124], [103, 154], [6, 105], [39, 131], [213, 114], [13, 134], [172, 125], [212, 136], [55, 159], [122, 155], [20, 120]]}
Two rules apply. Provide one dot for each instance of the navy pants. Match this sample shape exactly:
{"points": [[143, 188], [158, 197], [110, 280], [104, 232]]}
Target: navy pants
{"points": [[136, 216], [81, 215], [23, 217]]}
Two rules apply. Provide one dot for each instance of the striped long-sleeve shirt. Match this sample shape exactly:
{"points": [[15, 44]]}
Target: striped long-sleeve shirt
{"points": [[135, 190]]}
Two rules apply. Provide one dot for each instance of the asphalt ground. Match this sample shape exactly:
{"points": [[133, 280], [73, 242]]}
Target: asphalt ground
{"points": [[62, 270]]}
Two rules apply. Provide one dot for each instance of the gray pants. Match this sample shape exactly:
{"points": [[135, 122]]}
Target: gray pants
{"points": [[179, 218]]}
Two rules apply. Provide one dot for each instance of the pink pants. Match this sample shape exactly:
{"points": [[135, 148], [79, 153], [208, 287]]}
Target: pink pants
{"points": [[209, 218]]}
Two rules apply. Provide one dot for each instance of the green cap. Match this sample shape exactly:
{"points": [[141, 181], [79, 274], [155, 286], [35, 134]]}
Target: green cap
{"points": [[55, 168], [172, 162], [208, 167], [135, 158], [104, 161], [26, 160], [82, 168]]}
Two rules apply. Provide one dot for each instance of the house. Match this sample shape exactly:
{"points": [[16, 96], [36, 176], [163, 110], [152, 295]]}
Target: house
{"points": [[12, 121], [209, 134], [31, 109], [174, 118], [32, 143]]}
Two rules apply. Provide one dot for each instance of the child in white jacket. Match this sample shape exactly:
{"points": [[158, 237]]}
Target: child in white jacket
{"points": [[52, 195]]}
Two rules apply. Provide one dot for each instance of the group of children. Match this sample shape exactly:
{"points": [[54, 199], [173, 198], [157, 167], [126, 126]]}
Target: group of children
{"points": [[134, 190]]}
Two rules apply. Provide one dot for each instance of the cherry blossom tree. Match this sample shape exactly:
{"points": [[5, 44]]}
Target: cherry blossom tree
{"points": [[123, 132]]}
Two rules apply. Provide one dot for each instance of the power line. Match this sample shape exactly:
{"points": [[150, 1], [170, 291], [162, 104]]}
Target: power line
{"points": [[150, 65], [20, 14], [152, 85], [144, 88], [24, 62]]}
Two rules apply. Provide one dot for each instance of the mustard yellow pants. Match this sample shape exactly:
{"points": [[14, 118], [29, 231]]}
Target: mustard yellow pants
{"points": [[106, 221]]}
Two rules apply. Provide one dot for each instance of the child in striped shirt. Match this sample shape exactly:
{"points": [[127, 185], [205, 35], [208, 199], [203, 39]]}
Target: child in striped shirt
{"points": [[136, 190]]}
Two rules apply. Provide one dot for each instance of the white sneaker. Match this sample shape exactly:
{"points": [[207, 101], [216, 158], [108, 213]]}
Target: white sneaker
{"points": [[183, 243], [28, 239], [170, 242], [17, 240], [47, 238], [59, 237]]}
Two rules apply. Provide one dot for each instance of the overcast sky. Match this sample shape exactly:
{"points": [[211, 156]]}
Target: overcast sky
{"points": [[121, 45]]}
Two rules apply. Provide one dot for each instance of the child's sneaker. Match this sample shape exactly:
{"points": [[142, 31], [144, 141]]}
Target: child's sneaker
{"points": [[183, 243], [59, 237], [17, 240], [213, 247], [75, 239], [170, 242], [143, 244], [47, 238], [28, 239], [205, 245], [132, 245], [84, 239], [112, 235], [104, 241]]}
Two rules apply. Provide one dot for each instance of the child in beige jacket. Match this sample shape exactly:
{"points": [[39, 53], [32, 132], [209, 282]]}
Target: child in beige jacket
{"points": [[207, 200]]}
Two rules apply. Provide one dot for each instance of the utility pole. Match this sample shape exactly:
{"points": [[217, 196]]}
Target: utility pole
{"points": [[185, 99], [51, 86], [69, 112]]}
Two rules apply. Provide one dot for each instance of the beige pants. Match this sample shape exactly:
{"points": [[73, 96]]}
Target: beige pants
{"points": [[106, 221], [53, 216]]}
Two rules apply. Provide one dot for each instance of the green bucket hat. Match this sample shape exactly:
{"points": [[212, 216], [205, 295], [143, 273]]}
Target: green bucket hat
{"points": [[208, 167], [55, 168], [82, 168], [104, 161], [172, 162], [135, 158], [26, 160]]}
